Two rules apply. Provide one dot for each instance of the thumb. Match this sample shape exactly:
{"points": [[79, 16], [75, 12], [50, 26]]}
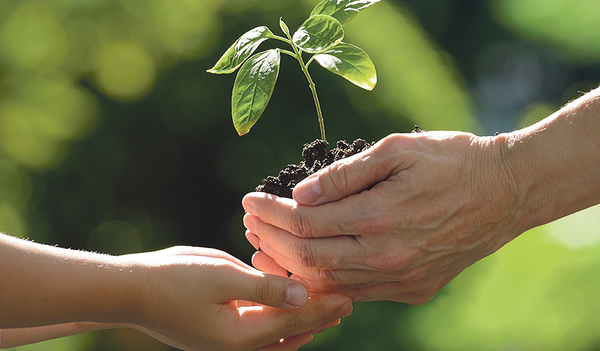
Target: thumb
{"points": [[341, 179], [268, 289]]}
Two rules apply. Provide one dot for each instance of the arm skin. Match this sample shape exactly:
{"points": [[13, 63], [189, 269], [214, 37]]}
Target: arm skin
{"points": [[23, 336], [189, 298], [402, 219]]}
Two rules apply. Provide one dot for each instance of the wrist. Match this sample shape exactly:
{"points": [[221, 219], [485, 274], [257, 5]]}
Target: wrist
{"points": [[498, 189], [552, 162], [516, 171], [131, 294]]}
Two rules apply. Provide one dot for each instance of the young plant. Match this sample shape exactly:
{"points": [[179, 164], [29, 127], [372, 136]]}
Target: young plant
{"points": [[320, 35]]}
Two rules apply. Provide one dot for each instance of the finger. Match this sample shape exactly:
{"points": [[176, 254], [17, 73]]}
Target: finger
{"points": [[266, 289], [338, 261], [204, 252], [266, 264], [269, 325], [345, 217], [333, 253], [282, 252], [410, 291], [345, 177], [320, 280], [242, 303], [290, 343], [253, 239]]}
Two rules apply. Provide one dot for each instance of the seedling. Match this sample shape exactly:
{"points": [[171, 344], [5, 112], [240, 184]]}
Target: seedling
{"points": [[320, 35]]}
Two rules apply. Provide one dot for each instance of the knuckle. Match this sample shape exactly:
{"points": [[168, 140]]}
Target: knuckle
{"points": [[338, 179], [329, 277], [300, 225], [306, 255], [389, 144], [265, 290]]}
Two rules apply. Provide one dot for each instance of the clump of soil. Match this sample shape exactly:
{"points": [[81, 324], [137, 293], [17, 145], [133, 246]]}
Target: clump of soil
{"points": [[417, 129], [315, 157]]}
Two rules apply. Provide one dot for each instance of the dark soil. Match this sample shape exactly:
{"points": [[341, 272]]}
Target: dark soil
{"points": [[316, 157]]}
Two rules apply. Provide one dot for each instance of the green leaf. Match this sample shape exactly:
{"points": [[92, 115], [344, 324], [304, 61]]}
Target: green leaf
{"points": [[253, 88], [318, 33], [350, 62], [342, 10], [241, 50], [284, 27]]}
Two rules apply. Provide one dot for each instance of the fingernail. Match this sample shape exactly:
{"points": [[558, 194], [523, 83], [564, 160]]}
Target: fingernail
{"points": [[249, 223], [249, 207], [308, 191], [296, 295], [266, 248], [253, 239]]}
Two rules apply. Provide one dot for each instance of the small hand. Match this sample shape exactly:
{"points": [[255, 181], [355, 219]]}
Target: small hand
{"points": [[205, 299]]}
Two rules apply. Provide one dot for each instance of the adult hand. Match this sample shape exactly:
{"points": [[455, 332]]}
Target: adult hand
{"points": [[205, 299], [396, 222]]}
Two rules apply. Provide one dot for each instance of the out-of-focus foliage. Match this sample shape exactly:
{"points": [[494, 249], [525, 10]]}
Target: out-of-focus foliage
{"points": [[539, 293], [571, 26], [415, 79], [114, 138]]}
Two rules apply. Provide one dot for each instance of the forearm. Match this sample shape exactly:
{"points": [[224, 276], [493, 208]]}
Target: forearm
{"points": [[45, 285], [555, 163], [24, 336]]}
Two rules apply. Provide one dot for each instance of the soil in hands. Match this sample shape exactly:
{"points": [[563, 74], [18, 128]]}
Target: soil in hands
{"points": [[316, 157]]}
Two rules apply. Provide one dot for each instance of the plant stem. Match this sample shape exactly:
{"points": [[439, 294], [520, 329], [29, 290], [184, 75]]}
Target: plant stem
{"points": [[287, 53], [313, 89], [311, 84]]}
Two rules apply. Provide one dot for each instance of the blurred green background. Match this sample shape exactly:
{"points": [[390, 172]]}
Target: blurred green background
{"points": [[113, 138]]}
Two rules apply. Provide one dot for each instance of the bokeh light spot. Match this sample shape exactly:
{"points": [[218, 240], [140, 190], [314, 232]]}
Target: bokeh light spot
{"points": [[12, 221], [116, 237], [124, 70], [32, 37]]}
